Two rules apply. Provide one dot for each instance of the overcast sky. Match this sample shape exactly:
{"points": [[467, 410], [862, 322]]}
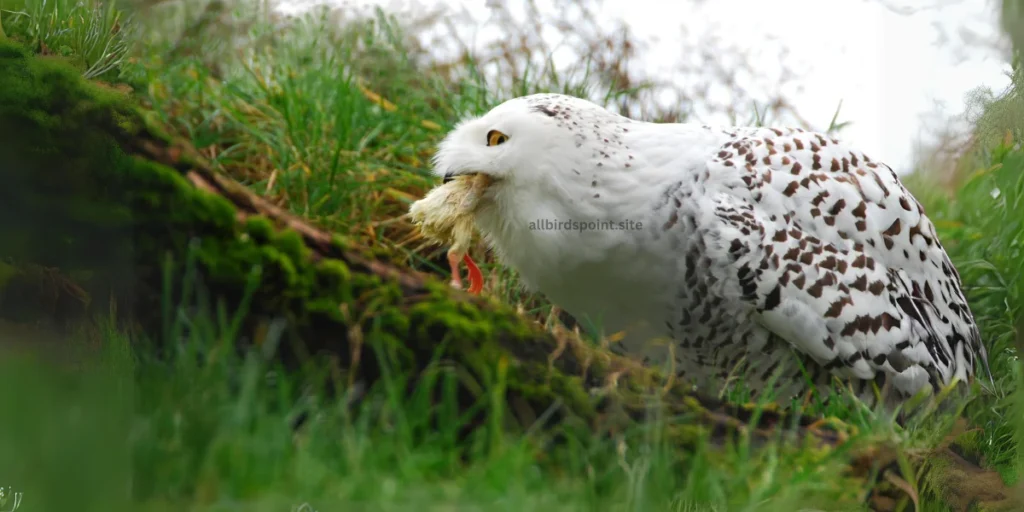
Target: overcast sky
{"points": [[887, 68]]}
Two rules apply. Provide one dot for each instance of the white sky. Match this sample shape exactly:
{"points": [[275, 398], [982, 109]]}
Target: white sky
{"points": [[887, 68]]}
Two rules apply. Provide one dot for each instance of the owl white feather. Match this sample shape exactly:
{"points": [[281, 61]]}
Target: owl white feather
{"points": [[715, 249]]}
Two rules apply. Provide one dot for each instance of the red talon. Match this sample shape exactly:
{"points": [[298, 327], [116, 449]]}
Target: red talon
{"points": [[476, 278]]}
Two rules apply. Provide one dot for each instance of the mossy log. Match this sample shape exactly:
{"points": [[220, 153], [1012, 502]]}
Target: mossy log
{"points": [[101, 203], [102, 206]]}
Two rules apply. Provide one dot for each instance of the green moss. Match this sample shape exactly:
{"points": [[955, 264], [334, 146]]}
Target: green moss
{"points": [[291, 243], [259, 228], [334, 275], [152, 125], [127, 124], [568, 388], [104, 205]]}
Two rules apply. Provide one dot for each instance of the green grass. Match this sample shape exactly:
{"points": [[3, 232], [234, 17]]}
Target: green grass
{"points": [[96, 37], [983, 229], [338, 124], [210, 429]]}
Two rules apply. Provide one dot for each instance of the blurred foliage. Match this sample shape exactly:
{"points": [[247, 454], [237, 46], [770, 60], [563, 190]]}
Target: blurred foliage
{"points": [[982, 228], [1012, 19], [963, 144]]}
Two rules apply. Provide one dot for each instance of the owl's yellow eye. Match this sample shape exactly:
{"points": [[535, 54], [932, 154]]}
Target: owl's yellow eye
{"points": [[494, 138]]}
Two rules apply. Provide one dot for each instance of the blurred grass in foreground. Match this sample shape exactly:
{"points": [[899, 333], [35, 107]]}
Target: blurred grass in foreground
{"points": [[66, 420]]}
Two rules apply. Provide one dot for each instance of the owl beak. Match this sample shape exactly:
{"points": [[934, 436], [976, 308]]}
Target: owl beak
{"points": [[451, 175]]}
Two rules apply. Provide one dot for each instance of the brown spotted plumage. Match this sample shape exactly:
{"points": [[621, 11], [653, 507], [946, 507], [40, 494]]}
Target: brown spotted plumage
{"points": [[752, 249]]}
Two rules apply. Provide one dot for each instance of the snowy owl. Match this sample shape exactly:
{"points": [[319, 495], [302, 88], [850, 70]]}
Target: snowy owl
{"points": [[712, 250]]}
